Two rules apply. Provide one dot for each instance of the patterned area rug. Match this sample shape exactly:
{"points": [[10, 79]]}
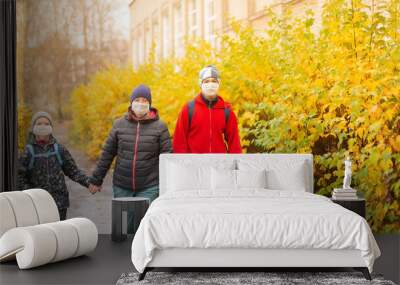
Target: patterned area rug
{"points": [[242, 278]]}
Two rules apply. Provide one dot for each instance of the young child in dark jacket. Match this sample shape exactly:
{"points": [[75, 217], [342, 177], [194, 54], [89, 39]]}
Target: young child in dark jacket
{"points": [[44, 163]]}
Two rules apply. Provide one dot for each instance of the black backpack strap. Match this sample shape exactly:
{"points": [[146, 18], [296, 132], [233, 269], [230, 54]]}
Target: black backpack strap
{"points": [[227, 112], [190, 111]]}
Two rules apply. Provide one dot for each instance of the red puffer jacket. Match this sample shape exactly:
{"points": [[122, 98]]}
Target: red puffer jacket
{"points": [[209, 132]]}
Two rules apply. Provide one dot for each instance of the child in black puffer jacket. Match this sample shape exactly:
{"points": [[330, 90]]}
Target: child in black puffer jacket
{"points": [[44, 163]]}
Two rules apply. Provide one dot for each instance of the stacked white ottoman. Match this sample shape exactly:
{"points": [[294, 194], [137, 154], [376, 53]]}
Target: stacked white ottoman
{"points": [[31, 230]]}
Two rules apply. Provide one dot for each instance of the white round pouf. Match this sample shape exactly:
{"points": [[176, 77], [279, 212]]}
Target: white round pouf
{"points": [[23, 208], [30, 230], [87, 234], [7, 218], [45, 206], [32, 246], [37, 245], [67, 240]]}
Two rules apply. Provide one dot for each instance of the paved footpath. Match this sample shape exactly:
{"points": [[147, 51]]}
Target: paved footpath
{"points": [[96, 207]]}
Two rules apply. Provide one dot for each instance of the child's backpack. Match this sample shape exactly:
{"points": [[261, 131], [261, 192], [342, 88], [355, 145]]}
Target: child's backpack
{"points": [[55, 152]]}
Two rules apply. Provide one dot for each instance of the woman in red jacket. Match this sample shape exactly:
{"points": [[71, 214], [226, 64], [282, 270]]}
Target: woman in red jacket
{"points": [[207, 124]]}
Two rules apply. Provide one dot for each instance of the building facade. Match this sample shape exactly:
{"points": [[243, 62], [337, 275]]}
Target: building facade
{"points": [[165, 24]]}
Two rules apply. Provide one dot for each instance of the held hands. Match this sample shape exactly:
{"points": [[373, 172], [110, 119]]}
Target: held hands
{"points": [[93, 188]]}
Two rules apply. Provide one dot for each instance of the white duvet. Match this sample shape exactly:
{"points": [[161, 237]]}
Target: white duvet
{"points": [[253, 218]]}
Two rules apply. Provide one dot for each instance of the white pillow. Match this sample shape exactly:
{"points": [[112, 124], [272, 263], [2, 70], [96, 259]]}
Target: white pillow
{"points": [[251, 178], [292, 178], [223, 179], [281, 174], [227, 179], [188, 177], [184, 174]]}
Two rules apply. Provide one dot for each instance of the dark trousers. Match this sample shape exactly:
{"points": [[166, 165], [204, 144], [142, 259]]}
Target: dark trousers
{"points": [[63, 214]]}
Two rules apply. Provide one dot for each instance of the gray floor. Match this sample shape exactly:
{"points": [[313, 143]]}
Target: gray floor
{"points": [[389, 262], [110, 260], [103, 266]]}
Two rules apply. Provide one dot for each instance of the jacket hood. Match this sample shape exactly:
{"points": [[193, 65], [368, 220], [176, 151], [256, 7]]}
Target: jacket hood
{"points": [[220, 104]]}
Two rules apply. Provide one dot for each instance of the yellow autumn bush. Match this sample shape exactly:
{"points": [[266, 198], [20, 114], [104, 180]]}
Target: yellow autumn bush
{"points": [[335, 93], [24, 120]]}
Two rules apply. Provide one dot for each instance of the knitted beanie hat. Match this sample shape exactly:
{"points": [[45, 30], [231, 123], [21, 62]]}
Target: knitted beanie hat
{"points": [[39, 115], [141, 91], [207, 72]]}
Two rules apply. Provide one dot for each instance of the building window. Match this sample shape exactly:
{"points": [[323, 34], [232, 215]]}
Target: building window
{"points": [[147, 39], [134, 51], [193, 12], [178, 29], [165, 34], [210, 20], [156, 38], [138, 48], [141, 53]]}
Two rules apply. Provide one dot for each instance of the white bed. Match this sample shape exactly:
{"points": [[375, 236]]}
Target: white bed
{"points": [[281, 224]]}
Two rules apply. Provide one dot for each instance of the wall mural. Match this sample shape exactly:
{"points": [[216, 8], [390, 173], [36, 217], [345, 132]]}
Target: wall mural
{"points": [[334, 93]]}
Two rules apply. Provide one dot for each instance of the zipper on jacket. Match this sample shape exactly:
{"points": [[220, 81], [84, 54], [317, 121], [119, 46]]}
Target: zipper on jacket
{"points": [[134, 157], [209, 111]]}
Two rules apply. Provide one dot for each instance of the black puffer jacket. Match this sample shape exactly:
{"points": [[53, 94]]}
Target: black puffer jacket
{"points": [[137, 145]]}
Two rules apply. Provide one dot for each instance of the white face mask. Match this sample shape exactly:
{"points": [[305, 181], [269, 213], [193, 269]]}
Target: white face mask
{"points": [[42, 130], [210, 89], [140, 109]]}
